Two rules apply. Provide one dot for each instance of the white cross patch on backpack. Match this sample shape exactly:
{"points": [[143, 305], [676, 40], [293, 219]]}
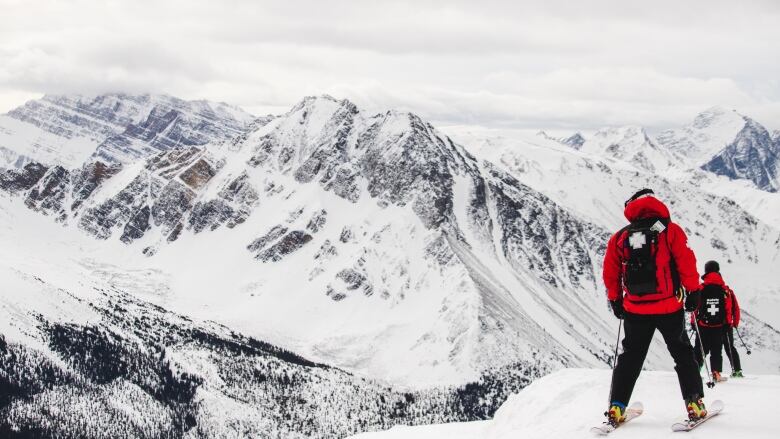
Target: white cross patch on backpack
{"points": [[637, 240]]}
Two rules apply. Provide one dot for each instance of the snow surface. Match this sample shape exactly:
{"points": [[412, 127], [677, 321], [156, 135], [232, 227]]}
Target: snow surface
{"points": [[566, 404], [24, 142]]}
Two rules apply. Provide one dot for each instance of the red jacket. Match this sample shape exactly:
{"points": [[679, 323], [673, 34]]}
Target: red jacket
{"points": [[732, 306], [672, 244], [735, 314]]}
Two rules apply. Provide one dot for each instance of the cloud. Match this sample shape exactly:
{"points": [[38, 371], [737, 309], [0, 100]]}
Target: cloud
{"points": [[551, 64]]}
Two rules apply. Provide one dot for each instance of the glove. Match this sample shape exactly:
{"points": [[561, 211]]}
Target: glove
{"points": [[617, 307], [692, 301]]}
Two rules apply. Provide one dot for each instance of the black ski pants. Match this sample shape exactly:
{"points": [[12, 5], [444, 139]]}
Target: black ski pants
{"points": [[731, 352], [712, 341], [639, 333]]}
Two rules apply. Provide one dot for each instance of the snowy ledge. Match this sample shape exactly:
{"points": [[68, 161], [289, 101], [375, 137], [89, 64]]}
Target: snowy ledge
{"points": [[567, 403]]}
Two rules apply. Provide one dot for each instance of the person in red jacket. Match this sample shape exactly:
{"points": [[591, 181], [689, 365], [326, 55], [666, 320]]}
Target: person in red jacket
{"points": [[646, 265], [716, 320]]}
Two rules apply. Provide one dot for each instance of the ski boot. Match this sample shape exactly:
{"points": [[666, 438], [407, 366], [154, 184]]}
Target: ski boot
{"points": [[716, 377], [737, 374], [616, 414], [696, 409]]}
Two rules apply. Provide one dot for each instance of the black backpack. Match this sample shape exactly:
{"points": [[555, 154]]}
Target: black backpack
{"points": [[712, 310], [640, 241]]}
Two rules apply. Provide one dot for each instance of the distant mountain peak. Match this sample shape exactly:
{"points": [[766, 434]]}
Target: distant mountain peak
{"points": [[715, 115], [707, 134], [630, 144], [575, 141], [66, 130], [752, 155]]}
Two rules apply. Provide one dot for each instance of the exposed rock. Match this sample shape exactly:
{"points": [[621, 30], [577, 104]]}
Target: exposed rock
{"points": [[48, 195], [89, 178], [263, 241], [354, 279], [137, 226], [317, 220], [18, 180], [288, 244], [346, 235], [197, 175]]}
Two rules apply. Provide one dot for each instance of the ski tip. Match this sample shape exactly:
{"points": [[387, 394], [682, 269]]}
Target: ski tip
{"points": [[717, 405]]}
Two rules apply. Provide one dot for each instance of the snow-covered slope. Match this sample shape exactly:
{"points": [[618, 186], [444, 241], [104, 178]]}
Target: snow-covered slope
{"points": [[82, 354], [568, 403], [67, 129]]}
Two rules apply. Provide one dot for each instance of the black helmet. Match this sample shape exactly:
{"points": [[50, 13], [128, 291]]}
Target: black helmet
{"points": [[711, 266], [638, 194]]}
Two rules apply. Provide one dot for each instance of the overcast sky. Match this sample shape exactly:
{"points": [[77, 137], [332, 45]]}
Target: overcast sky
{"points": [[555, 65]]}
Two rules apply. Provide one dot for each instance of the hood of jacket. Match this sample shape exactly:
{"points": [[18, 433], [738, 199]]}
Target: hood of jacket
{"points": [[645, 207]]}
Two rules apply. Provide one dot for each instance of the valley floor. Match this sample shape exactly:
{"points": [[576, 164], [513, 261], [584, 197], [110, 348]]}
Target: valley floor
{"points": [[566, 404]]}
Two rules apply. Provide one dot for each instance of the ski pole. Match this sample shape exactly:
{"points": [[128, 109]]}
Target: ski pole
{"points": [[743, 341], [614, 361], [710, 383], [617, 344]]}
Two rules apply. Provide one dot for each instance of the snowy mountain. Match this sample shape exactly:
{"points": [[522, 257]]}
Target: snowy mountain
{"points": [[431, 277], [709, 133], [753, 155], [575, 141], [631, 144], [727, 143], [117, 128]]}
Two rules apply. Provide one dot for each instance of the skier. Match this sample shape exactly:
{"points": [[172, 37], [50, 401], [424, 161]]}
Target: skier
{"points": [[645, 267], [715, 318]]}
